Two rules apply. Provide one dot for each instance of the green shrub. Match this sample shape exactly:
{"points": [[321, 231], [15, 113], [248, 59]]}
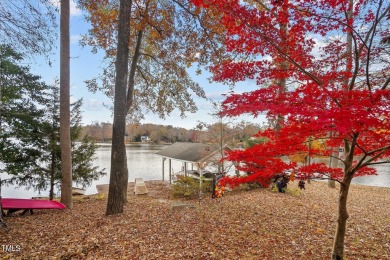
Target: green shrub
{"points": [[188, 187]]}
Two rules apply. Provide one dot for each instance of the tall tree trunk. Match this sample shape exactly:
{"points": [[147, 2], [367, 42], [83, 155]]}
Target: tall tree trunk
{"points": [[338, 244], [119, 175], [52, 172], [66, 156], [53, 156], [283, 66], [1, 98], [221, 144], [130, 94], [331, 183], [133, 68]]}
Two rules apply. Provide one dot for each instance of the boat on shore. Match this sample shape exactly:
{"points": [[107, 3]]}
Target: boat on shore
{"points": [[78, 191]]}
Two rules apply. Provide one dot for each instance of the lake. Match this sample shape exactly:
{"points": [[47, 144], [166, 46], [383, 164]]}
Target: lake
{"points": [[144, 163]]}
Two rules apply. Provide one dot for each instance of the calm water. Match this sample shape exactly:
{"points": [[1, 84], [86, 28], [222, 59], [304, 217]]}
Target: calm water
{"points": [[144, 163], [381, 180]]}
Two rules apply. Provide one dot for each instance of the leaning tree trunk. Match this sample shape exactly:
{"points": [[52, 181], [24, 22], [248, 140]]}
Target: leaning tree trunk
{"points": [[65, 141], [129, 99], [117, 189], [338, 245]]}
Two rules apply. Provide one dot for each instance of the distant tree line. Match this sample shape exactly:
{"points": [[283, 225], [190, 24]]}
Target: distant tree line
{"points": [[233, 133]]}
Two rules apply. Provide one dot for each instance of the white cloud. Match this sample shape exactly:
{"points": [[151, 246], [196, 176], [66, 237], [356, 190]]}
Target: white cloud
{"points": [[74, 11], [93, 105], [322, 42], [318, 46], [75, 38], [73, 99], [217, 96]]}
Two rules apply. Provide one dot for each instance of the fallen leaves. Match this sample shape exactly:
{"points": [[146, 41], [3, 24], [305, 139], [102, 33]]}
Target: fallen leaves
{"points": [[257, 224]]}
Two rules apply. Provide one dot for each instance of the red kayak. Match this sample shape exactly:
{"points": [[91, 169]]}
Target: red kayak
{"points": [[13, 205]]}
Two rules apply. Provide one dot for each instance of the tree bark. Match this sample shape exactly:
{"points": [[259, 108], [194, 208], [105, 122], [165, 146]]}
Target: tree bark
{"points": [[52, 172], [117, 192], [331, 183], [1, 99], [66, 156], [283, 66], [130, 95], [134, 62], [338, 245]]}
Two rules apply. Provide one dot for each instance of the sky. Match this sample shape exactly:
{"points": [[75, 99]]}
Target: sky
{"points": [[85, 65]]}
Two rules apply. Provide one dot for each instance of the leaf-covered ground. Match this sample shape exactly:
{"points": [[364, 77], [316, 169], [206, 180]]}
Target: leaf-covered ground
{"points": [[256, 224]]}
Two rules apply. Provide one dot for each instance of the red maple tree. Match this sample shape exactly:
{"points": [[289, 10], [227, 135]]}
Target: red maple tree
{"points": [[323, 72]]}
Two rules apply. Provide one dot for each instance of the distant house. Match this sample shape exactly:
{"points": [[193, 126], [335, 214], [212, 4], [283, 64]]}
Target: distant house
{"points": [[145, 139]]}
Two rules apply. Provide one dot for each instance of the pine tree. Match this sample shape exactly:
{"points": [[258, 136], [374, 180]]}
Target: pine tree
{"points": [[22, 99], [82, 150], [29, 131]]}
